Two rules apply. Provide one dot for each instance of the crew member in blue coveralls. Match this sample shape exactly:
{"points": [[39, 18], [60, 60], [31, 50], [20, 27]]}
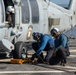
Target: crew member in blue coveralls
{"points": [[61, 45], [43, 42]]}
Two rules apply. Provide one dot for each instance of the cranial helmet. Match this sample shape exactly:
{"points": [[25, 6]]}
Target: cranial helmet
{"points": [[36, 34], [10, 9], [54, 31]]}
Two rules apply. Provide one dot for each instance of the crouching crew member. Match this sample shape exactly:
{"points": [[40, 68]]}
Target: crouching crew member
{"points": [[43, 43], [61, 45]]}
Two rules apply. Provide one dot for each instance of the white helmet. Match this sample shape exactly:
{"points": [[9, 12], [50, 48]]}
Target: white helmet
{"points": [[57, 30], [10, 9]]}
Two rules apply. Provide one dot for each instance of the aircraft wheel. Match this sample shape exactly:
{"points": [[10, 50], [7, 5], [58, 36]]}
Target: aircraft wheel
{"points": [[20, 51]]}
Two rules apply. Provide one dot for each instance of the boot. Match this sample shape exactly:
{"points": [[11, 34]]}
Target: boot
{"points": [[63, 62]]}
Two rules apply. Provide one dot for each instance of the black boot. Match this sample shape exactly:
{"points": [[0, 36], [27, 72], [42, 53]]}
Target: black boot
{"points": [[63, 62]]}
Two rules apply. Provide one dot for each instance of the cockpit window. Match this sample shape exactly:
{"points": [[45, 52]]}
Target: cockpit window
{"points": [[25, 12], [63, 3], [35, 11], [1, 12]]}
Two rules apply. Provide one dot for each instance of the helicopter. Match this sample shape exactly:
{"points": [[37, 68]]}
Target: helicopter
{"points": [[33, 16]]}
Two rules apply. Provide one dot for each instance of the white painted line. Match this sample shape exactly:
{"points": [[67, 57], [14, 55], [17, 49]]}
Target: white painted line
{"points": [[29, 72], [72, 50], [65, 67], [61, 68], [72, 56], [58, 66]]}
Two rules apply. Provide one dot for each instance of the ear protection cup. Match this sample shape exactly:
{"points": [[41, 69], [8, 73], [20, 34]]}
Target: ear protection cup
{"points": [[36, 35]]}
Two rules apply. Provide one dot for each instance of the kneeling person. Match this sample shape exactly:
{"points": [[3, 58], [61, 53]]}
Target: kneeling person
{"points": [[61, 45], [43, 43]]}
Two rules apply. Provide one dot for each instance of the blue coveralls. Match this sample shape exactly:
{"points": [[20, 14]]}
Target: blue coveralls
{"points": [[62, 50], [46, 44]]}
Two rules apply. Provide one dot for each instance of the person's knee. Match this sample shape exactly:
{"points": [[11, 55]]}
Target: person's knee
{"points": [[47, 59], [54, 60], [35, 46]]}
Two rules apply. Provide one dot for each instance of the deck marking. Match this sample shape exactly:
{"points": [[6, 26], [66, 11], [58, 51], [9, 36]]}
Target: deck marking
{"points": [[29, 72]]}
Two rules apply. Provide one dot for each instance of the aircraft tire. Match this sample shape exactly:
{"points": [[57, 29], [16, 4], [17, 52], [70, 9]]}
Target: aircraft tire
{"points": [[20, 50]]}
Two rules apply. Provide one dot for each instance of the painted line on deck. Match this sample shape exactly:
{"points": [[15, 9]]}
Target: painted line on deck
{"points": [[60, 68], [67, 69], [72, 50], [29, 72], [72, 56]]}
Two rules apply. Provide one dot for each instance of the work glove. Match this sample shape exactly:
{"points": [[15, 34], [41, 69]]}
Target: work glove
{"points": [[33, 56]]}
